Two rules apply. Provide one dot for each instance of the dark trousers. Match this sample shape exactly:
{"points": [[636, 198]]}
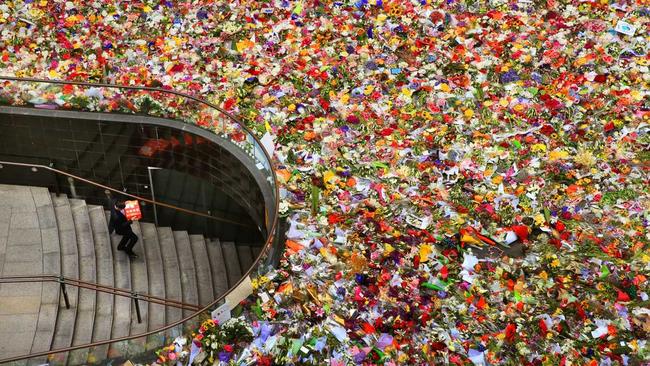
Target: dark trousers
{"points": [[128, 241]]}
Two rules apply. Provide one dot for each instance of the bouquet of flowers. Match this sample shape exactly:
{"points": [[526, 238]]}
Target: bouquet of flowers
{"points": [[216, 343]]}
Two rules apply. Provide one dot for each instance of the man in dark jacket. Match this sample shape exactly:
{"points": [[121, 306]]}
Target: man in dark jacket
{"points": [[122, 226]]}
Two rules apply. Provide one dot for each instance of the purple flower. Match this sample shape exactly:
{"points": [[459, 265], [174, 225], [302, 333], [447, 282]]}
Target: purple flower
{"points": [[509, 77], [224, 356], [359, 357], [384, 341]]}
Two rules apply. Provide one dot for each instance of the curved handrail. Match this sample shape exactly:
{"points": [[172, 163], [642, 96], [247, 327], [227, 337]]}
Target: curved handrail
{"points": [[267, 245], [124, 193], [99, 287]]}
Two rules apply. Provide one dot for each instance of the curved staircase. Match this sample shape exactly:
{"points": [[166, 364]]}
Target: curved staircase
{"points": [[41, 233]]}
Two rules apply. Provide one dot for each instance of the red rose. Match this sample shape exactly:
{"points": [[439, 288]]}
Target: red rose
{"points": [[547, 130], [511, 330], [600, 78], [228, 348]]}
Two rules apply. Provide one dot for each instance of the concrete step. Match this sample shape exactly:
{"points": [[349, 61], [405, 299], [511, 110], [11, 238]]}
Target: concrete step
{"points": [[173, 289], [122, 308], [139, 282], [245, 257], [65, 323], [188, 270], [231, 259], [51, 265], [105, 276], [87, 272], [203, 272], [218, 266], [155, 274], [74, 241]]}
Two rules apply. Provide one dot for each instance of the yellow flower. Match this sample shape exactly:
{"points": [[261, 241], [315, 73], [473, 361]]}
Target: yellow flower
{"points": [[585, 157], [425, 250], [558, 154], [555, 263]]}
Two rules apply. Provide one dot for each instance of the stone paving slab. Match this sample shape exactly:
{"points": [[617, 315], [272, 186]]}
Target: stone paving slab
{"points": [[19, 198], [23, 269], [218, 266], [3, 250], [5, 212], [68, 238], [21, 289], [41, 196], [24, 236], [24, 220], [25, 253], [50, 240], [232, 262], [46, 218], [203, 272], [155, 274], [51, 263], [18, 323], [47, 318], [5, 217], [20, 305], [20, 344]]}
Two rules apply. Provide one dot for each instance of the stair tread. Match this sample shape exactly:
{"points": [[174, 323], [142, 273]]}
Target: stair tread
{"points": [[245, 257], [86, 251], [155, 273], [122, 276], [172, 271], [64, 329], [187, 269], [46, 323], [140, 282], [203, 272], [231, 260], [105, 276], [218, 266]]}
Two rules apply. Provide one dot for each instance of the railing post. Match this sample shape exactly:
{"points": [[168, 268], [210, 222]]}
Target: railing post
{"points": [[137, 306], [65, 292], [57, 186]]}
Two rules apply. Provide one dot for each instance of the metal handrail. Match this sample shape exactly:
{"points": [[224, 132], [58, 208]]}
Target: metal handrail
{"points": [[267, 244], [124, 193], [100, 288]]}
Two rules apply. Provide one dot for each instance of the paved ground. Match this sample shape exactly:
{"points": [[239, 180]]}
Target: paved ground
{"points": [[21, 253]]}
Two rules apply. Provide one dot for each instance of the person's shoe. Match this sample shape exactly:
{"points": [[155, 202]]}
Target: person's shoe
{"points": [[132, 255]]}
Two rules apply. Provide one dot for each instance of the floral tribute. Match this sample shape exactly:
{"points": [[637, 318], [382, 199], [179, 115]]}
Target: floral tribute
{"points": [[465, 182], [213, 343]]}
